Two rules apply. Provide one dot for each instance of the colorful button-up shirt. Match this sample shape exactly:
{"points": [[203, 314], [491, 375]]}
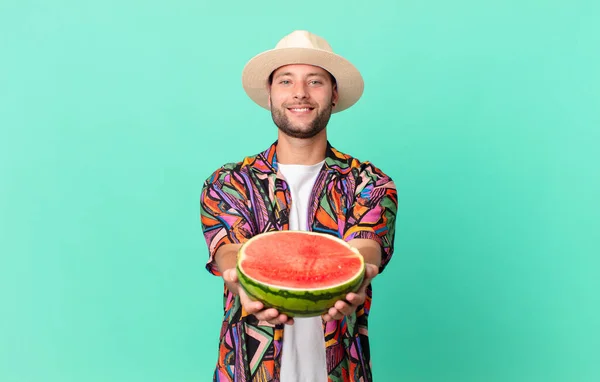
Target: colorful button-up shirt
{"points": [[350, 199]]}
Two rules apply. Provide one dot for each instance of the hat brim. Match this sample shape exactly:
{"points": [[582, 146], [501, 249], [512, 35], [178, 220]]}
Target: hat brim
{"points": [[256, 73]]}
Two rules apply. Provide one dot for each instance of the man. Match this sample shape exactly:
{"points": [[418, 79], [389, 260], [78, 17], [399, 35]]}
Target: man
{"points": [[299, 182]]}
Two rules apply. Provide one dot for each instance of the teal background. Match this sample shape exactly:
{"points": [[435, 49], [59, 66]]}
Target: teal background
{"points": [[486, 114]]}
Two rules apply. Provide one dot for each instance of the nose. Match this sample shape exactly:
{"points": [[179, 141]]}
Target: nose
{"points": [[300, 91]]}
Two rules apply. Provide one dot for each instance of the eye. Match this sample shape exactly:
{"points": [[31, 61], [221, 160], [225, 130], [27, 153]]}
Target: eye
{"points": [[285, 82], [315, 82]]}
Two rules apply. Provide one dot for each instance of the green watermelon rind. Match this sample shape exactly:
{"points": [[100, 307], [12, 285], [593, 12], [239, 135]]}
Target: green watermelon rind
{"points": [[294, 302]]}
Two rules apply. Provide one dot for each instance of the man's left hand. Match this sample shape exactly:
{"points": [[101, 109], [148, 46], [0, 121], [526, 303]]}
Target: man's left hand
{"points": [[353, 300]]}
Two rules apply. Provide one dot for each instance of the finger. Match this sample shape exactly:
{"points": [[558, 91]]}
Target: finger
{"points": [[342, 306], [345, 308], [268, 315], [249, 305], [282, 319], [356, 299], [253, 307], [335, 314]]}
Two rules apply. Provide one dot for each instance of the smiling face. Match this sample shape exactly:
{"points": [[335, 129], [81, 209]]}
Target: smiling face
{"points": [[301, 99]]}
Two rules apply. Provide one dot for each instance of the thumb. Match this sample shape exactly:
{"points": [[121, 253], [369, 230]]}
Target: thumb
{"points": [[231, 280], [372, 270], [230, 275], [233, 277]]}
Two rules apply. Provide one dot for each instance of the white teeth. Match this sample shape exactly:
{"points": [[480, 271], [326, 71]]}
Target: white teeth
{"points": [[303, 109]]}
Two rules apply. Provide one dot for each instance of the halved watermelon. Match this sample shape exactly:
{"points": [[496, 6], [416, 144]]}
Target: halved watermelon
{"points": [[300, 273]]}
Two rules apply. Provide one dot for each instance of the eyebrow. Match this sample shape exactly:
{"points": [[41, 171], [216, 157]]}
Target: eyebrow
{"points": [[308, 75]]}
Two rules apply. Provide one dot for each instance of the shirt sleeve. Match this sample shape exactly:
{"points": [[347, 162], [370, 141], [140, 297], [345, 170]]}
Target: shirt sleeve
{"points": [[372, 214], [224, 213]]}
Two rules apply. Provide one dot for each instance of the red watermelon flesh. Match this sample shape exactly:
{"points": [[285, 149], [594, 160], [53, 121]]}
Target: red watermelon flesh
{"points": [[301, 261], [298, 272]]}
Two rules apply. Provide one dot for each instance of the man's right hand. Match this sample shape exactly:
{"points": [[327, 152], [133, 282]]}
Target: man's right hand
{"points": [[255, 308]]}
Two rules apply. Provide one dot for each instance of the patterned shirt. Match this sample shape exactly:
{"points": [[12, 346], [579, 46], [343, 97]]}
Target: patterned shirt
{"points": [[350, 199]]}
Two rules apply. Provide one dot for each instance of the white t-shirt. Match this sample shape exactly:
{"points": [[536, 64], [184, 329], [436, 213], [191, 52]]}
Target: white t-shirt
{"points": [[303, 353]]}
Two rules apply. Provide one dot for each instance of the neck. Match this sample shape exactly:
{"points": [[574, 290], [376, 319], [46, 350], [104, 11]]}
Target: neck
{"points": [[301, 151]]}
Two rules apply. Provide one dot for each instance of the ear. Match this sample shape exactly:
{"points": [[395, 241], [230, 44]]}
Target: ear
{"points": [[335, 95], [269, 93]]}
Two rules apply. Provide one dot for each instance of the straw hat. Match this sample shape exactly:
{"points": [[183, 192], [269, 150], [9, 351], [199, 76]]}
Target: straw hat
{"points": [[302, 47]]}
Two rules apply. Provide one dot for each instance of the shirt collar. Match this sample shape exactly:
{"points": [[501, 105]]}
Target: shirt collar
{"points": [[335, 161]]}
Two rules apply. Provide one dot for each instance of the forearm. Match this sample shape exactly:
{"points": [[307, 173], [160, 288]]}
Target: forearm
{"points": [[369, 249], [226, 258]]}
